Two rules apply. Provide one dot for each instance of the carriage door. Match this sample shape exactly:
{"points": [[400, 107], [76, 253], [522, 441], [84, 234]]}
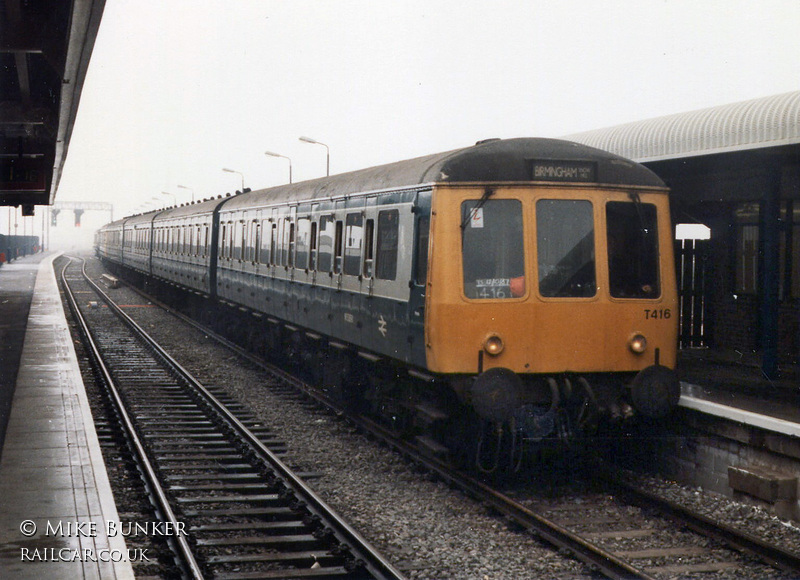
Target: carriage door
{"points": [[419, 277]]}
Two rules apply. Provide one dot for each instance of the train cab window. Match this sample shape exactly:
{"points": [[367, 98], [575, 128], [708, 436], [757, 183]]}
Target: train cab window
{"points": [[493, 249], [388, 233], [326, 235], [353, 238], [632, 233], [565, 242], [421, 259]]}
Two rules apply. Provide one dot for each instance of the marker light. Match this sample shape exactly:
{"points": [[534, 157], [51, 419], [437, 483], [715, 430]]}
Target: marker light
{"points": [[493, 345], [637, 343]]}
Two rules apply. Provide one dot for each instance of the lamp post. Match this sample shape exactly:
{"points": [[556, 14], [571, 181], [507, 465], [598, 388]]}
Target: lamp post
{"points": [[174, 197], [271, 154], [192, 190], [327, 152], [226, 170]]}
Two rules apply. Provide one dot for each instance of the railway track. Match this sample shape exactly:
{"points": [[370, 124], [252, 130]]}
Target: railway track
{"points": [[688, 543], [228, 506], [612, 527]]}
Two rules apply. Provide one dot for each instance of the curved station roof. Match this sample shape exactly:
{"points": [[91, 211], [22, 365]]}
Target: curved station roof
{"points": [[755, 124]]}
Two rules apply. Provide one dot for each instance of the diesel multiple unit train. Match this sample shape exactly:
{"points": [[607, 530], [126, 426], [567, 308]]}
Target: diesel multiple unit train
{"points": [[485, 300]]}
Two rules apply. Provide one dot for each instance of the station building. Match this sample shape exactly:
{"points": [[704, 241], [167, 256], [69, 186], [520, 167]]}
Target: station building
{"points": [[734, 172]]}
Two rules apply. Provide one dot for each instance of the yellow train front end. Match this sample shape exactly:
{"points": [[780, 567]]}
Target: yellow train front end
{"points": [[546, 297]]}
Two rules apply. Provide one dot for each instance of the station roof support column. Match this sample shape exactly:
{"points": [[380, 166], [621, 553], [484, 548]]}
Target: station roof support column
{"points": [[770, 277]]}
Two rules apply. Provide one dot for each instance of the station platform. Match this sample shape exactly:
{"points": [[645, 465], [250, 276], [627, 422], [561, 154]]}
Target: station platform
{"points": [[731, 385], [55, 496]]}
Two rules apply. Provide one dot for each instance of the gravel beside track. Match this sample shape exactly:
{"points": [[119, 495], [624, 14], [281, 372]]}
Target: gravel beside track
{"points": [[427, 529]]}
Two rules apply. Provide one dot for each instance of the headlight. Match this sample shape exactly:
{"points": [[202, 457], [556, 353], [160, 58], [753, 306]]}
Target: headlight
{"points": [[493, 345], [637, 343]]}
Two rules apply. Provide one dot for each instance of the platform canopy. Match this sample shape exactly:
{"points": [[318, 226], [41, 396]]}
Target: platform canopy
{"points": [[45, 46], [766, 122]]}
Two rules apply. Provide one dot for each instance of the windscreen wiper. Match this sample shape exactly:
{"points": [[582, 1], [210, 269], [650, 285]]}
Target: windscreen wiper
{"points": [[471, 214]]}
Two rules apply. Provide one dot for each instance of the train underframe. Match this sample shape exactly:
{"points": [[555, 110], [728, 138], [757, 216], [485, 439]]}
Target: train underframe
{"points": [[495, 422]]}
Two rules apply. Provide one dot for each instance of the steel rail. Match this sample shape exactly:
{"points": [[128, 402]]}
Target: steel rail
{"points": [[184, 551], [607, 563], [744, 542], [584, 551], [594, 556], [368, 556]]}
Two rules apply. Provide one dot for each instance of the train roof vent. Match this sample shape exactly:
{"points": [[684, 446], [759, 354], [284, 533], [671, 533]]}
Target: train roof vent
{"points": [[482, 141]]}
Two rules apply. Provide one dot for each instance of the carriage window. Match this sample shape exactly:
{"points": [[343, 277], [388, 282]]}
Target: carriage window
{"points": [[565, 235], [368, 248], [388, 232], [273, 243], [291, 245], [236, 241], [303, 234], [632, 249], [326, 233], [245, 227], [263, 250], [493, 249], [255, 242], [286, 232], [312, 254], [337, 245], [354, 235]]}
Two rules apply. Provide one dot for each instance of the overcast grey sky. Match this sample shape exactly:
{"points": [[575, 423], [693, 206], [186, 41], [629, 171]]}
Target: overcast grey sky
{"points": [[178, 89]]}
